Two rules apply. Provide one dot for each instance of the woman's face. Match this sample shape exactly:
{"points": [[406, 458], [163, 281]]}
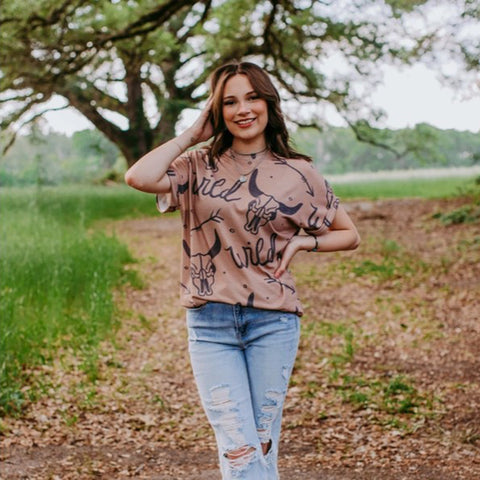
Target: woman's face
{"points": [[244, 113]]}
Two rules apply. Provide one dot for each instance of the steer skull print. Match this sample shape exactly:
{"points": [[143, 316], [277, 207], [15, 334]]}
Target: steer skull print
{"points": [[264, 207], [202, 268]]}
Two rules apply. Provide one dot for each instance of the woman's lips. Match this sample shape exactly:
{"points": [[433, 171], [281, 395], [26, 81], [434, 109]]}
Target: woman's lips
{"points": [[245, 123]]}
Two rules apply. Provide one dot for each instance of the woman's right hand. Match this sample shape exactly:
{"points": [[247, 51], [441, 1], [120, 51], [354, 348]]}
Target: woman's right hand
{"points": [[202, 129]]}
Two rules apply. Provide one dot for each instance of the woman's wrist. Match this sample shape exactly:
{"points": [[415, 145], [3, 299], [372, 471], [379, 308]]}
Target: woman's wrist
{"points": [[184, 141], [305, 242], [180, 149]]}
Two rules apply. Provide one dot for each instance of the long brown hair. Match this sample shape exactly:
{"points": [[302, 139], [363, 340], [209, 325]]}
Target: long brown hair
{"points": [[276, 134]]}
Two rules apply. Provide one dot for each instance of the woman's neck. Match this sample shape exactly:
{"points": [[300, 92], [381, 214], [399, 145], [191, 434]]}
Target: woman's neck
{"points": [[246, 148]]}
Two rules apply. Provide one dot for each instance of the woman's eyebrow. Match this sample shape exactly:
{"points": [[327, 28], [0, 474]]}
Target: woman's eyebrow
{"points": [[246, 94]]}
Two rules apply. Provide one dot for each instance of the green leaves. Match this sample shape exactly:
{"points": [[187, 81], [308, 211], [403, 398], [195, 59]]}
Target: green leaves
{"points": [[158, 55]]}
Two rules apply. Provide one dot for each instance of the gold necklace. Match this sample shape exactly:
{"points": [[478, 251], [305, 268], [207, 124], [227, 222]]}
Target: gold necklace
{"points": [[243, 176]]}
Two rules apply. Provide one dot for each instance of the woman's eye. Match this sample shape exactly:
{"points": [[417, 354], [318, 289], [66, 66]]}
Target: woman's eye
{"points": [[253, 97], [228, 102]]}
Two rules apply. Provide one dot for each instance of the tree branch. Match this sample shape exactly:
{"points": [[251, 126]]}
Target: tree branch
{"points": [[29, 120], [362, 137], [16, 115], [80, 102], [18, 98], [55, 15], [148, 22], [201, 20]]}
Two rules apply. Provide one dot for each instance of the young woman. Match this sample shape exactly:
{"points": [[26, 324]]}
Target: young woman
{"points": [[249, 203]]}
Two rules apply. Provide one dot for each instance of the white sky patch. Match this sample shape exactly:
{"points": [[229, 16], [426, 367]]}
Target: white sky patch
{"points": [[415, 95]]}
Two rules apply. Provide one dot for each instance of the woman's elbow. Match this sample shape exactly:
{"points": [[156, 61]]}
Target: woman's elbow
{"points": [[355, 240], [132, 180]]}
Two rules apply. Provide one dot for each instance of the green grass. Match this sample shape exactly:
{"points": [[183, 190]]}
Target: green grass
{"points": [[395, 396], [464, 214], [57, 278], [424, 188]]}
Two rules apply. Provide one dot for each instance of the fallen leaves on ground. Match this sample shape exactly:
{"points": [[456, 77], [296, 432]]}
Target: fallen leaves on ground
{"points": [[386, 383]]}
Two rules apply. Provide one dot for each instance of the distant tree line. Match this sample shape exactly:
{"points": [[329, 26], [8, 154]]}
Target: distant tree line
{"points": [[337, 150], [88, 157], [54, 159]]}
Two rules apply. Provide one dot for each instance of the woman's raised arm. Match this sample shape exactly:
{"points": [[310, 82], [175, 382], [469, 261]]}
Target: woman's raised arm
{"points": [[148, 173]]}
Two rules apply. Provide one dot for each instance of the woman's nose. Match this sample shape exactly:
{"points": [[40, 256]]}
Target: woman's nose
{"points": [[243, 107]]}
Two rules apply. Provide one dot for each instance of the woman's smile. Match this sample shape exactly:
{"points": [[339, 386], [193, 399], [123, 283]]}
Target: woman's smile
{"points": [[245, 123]]}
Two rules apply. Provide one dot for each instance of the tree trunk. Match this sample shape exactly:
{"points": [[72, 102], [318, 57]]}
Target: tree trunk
{"points": [[139, 137]]}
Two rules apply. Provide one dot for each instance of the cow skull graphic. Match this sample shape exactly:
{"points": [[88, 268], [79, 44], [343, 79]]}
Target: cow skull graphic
{"points": [[202, 268], [264, 207]]}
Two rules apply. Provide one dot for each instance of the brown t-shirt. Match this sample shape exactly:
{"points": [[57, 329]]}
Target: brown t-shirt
{"points": [[234, 233]]}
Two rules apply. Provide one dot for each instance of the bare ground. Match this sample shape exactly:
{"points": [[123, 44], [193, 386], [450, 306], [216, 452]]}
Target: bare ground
{"points": [[409, 316]]}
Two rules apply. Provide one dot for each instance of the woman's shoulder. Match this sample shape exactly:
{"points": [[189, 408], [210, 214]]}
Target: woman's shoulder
{"points": [[196, 154], [194, 159], [302, 164]]}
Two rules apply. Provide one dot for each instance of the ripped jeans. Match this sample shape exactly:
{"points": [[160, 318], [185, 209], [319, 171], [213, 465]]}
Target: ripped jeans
{"points": [[242, 358]]}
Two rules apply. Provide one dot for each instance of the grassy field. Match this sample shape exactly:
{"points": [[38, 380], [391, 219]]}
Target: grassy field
{"points": [[59, 270], [415, 187], [57, 277]]}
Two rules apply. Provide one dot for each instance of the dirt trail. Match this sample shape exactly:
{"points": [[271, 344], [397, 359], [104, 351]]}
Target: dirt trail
{"points": [[142, 419]]}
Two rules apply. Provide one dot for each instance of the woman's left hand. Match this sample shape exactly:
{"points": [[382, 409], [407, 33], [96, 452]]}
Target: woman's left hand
{"points": [[298, 242], [342, 235]]}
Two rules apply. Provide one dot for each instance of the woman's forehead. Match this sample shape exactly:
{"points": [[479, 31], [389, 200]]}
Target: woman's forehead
{"points": [[236, 85]]}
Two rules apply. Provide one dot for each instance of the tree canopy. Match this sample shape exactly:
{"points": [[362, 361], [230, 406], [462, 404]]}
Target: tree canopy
{"points": [[132, 67]]}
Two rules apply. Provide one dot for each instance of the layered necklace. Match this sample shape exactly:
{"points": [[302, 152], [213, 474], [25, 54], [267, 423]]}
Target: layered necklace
{"points": [[253, 156]]}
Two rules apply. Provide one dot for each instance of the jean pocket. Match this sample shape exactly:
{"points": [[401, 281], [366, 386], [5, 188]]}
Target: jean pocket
{"points": [[197, 309]]}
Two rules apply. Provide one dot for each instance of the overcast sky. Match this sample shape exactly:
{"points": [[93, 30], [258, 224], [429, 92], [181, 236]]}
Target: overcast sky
{"points": [[410, 96], [416, 95]]}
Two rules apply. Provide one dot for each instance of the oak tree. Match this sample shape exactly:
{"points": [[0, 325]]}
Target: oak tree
{"points": [[146, 61]]}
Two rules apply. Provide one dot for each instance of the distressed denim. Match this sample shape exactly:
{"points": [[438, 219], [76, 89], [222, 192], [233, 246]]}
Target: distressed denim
{"points": [[242, 358]]}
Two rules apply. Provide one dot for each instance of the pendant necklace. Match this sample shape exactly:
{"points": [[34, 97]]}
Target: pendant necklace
{"points": [[243, 176]]}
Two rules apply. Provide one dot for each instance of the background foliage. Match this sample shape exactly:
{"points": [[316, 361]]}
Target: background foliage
{"points": [[337, 150], [132, 68]]}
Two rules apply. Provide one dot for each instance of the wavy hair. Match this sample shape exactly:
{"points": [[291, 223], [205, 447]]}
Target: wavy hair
{"points": [[276, 134]]}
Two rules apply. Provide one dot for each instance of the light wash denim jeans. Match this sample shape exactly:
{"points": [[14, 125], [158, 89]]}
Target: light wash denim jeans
{"points": [[242, 358]]}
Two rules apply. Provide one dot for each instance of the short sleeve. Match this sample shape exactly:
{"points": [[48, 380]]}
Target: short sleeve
{"points": [[319, 205], [178, 174]]}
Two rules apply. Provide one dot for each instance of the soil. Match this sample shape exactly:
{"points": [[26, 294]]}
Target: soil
{"points": [[402, 310]]}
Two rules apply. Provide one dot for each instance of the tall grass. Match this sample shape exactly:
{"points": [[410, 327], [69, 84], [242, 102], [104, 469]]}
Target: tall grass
{"points": [[57, 275], [79, 204]]}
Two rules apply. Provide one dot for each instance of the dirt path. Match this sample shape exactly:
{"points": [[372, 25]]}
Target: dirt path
{"points": [[405, 329]]}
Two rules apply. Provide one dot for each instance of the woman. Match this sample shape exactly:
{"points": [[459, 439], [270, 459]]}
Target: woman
{"points": [[249, 203]]}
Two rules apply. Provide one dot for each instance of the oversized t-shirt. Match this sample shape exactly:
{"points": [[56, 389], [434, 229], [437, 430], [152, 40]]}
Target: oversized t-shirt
{"points": [[234, 232]]}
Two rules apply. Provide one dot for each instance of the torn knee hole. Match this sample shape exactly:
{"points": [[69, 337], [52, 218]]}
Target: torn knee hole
{"points": [[266, 447], [241, 457], [239, 452]]}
